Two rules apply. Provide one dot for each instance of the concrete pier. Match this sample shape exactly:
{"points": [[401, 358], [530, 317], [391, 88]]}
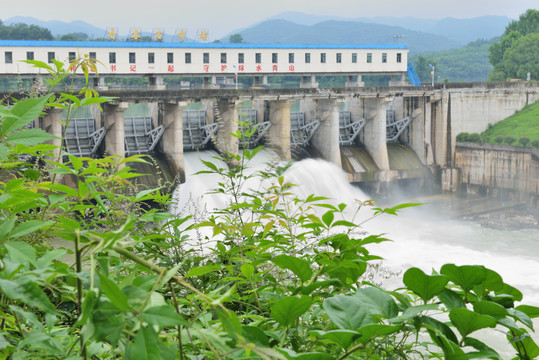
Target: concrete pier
{"points": [[114, 123], [279, 132]]}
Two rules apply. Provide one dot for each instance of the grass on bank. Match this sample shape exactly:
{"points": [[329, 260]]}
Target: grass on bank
{"points": [[522, 124]]}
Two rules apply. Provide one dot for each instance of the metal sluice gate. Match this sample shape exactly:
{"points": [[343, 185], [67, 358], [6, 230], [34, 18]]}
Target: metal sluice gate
{"points": [[140, 135], [348, 130], [82, 139], [196, 133], [394, 128], [301, 132], [256, 130]]}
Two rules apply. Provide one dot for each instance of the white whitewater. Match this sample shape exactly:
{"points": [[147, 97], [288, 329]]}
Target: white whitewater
{"points": [[420, 238]]}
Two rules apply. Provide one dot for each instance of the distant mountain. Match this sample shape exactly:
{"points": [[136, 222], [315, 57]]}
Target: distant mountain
{"points": [[59, 28], [343, 32], [462, 31]]}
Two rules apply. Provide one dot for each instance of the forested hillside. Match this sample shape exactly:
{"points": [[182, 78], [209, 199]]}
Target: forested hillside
{"points": [[469, 63]]}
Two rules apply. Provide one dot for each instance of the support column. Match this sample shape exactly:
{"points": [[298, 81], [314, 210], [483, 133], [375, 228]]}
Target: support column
{"points": [[171, 117], [228, 123], [279, 132], [157, 83], [51, 123], [115, 126], [326, 138], [354, 83], [99, 83], [374, 131], [397, 82], [308, 82]]}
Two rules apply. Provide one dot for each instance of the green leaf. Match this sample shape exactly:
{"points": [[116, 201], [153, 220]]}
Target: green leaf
{"points": [[291, 354], [28, 293], [489, 308], [531, 311], [522, 317], [254, 335], [299, 267], [413, 311], [203, 270], [465, 276], [484, 350], [21, 252], [6, 226], [451, 350], [28, 227], [23, 113], [328, 217], [451, 299], [29, 137], [286, 310], [372, 331], [341, 337], [231, 322], [162, 316], [424, 285], [145, 345], [467, 321], [247, 270], [366, 307], [113, 293], [87, 306], [437, 326]]}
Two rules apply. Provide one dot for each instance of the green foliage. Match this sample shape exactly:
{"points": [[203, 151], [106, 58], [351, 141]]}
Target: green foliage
{"points": [[515, 55], [524, 141], [535, 144], [235, 38], [284, 276], [463, 136], [24, 32], [509, 140], [498, 139], [467, 63]]}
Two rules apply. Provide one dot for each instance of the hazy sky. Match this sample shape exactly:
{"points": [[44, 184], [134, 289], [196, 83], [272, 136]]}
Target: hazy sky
{"points": [[219, 17]]}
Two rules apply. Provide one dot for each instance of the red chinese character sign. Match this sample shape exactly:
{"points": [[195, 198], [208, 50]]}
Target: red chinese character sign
{"points": [[206, 68], [171, 68]]}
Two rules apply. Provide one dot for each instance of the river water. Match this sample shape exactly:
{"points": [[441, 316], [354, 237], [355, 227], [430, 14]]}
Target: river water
{"points": [[427, 236]]}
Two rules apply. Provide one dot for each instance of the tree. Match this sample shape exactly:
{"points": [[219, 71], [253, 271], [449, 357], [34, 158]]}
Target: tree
{"points": [[235, 38], [523, 58], [516, 64]]}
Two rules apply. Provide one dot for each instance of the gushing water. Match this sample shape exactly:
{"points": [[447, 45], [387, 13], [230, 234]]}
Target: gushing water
{"points": [[420, 238]]}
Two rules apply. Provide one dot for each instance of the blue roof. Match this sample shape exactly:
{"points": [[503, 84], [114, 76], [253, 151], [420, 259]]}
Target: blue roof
{"points": [[191, 45]]}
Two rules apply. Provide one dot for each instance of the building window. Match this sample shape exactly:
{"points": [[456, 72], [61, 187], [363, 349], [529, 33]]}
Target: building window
{"points": [[223, 58], [112, 58], [399, 57], [29, 55], [384, 57], [241, 58], [354, 58], [50, 56], [132, 58], [72, 55], [274, 58], [339, 58], [369, 58], [291, 58], [258, 58], [323, 58], [93, 56], [170, 58], [151, 58], [307, 58], [187, 58], [206, 58], [9, 57]]}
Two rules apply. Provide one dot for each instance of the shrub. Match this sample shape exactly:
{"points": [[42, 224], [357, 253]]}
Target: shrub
{"points": [[524, 141], [498, 139], [474, 137], [535, 144], [509, 140], [463, 136]]}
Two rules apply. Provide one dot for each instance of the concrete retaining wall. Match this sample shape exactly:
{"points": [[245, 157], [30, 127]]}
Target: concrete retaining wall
{"points": [[505, 172]]}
